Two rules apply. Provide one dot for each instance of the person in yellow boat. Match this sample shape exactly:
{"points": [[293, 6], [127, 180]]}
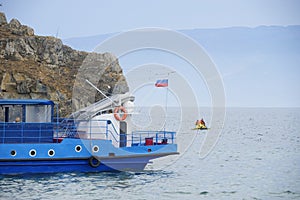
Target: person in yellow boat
{"points": [[200, 124]]}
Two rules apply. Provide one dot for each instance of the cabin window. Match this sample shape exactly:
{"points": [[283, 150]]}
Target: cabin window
{"points": [[11, 113], [38, 113]]}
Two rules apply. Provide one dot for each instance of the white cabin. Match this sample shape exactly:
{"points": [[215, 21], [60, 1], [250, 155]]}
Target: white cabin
{"points": [[101, 121]]}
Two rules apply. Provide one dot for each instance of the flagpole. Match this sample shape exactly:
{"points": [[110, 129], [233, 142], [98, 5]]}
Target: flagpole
{"points": [[166, 107], [165, 83]]}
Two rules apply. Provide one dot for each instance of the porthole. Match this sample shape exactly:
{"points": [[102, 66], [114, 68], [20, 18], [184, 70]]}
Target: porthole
{"points": [[32, 152], [51, 152], [78, 148], [13, 152], [95, 149]]}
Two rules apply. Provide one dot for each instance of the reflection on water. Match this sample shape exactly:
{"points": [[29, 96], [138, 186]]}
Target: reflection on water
{"points": [[76, 185]]}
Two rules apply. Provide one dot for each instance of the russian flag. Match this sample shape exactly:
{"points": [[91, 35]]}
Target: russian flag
{"points": [[161, 83]]}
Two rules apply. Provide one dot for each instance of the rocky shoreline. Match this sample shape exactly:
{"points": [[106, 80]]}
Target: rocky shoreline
{"points": [[42, 67]]}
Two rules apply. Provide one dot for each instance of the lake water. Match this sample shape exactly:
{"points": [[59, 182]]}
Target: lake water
{"points": [[257, 157]]}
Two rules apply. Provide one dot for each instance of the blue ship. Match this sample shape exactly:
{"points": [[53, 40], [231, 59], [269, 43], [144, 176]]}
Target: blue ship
{"points": [[97, 138]]}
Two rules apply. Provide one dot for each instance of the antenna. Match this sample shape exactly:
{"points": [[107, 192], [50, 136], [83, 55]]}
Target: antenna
{"points": [[99, 91], [57, 32]]}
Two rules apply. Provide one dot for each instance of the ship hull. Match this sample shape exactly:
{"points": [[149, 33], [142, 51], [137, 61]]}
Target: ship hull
{"points": [[66, 159], [68, 165]]}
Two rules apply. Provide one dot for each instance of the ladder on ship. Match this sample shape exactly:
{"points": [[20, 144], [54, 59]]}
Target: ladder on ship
{"points": [[105, 104]]}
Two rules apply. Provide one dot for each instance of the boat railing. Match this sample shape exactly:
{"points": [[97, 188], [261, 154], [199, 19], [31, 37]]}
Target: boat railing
{"points": [[142, 138], [49, 132], [105, 129], [85, 129], [152, 138], [65, 127], [114, 133], [25, 132], [11, 132]]}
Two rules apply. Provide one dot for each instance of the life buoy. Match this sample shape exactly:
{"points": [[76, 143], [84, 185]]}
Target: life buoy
{"points": [[94, 162], [117, 114]]}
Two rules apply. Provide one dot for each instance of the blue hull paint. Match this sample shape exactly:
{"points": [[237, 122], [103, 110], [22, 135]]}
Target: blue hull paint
{"points": [[66, 159], [52, 166], [23, 167]]}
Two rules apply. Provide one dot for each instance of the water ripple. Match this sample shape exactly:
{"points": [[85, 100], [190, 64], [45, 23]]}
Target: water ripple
{"points": [[254, 159]]}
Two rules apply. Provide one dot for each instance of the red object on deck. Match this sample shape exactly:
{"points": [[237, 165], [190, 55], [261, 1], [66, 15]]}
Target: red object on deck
{"points": [[57, 140], [148, 141]]}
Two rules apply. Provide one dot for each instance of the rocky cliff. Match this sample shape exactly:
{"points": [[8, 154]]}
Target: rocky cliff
{"points": [[43, 67]]}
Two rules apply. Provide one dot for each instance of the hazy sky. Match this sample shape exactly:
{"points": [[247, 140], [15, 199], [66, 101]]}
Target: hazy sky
{"points": [[71, 18]]}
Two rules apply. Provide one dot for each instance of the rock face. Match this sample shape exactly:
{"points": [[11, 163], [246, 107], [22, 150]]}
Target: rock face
{"points": [[2, 19], [42, 67]]}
